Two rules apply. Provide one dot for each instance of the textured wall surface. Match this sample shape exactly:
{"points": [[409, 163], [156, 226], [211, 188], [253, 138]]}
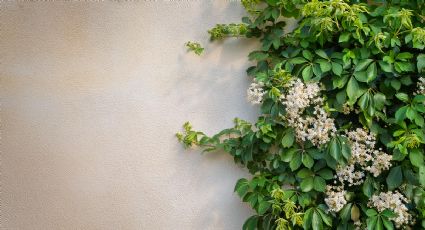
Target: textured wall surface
{"points": [[92, 94]]}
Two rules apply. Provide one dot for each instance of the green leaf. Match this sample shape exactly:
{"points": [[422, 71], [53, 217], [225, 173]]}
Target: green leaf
{"points": [[307, 73], [250, 223], [298, 60], [308, 216], [295, 162], [258, 55], [344, 37], [263, 207], [307, 160], [394, 178], [400, 115], [416, 157], [388, 224], [287, 155], [345, 212], [385, 66], [316, 222], [336, 68], [353, 89], [325, 174], [419, 98], [422, 175], [242, 187], [371, 212], [325, 65], [402, 97], [404, 56], [421, 63], [395, 84], [335, 149], [289, 138], [404, 67], [379, 225], [419, 120], [368, 187], [326, 218], [361, 76], [272, 2], [363, 64], [339, 82], [364, 101], [388, 213], [304, 173], [322, 54], [379, 100], [319, 184], [306, 184], [410, 113], [372, 72], [308, 55], [345, 148], [371, 222]]}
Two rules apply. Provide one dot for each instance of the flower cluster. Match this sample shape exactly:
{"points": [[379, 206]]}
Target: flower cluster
{"points": [[364, 156], [255, 93], [395, 202], [421, 86], [316, 128], [346, 109], [335, 198], [349, 174]]}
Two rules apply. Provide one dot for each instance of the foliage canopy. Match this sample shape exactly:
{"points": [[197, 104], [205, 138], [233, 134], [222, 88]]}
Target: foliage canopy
{"points": [[340, 140]]}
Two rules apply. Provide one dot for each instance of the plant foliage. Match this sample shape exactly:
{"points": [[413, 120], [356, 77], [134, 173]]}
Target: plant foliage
{"points": [[194, 47], [340, 140]]}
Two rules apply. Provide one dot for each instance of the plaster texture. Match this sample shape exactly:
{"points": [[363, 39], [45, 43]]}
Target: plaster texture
{"points": [[91, 96]]}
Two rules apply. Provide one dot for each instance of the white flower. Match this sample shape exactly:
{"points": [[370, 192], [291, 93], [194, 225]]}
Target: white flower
{"points": [[346, 109], [348, 174], [395, 202], [381, 162], [363, 152], [335, 198], [421, 86], [316, 128], [255, 93]]}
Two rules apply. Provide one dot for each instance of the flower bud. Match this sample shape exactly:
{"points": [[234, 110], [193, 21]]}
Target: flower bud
{"points": [[355, 213]]}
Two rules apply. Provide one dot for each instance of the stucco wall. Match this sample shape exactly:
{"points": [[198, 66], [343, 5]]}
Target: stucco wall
{"points": [[92, 94]]}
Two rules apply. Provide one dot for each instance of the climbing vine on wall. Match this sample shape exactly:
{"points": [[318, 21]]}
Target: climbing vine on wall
{"points": [[340, 140]]}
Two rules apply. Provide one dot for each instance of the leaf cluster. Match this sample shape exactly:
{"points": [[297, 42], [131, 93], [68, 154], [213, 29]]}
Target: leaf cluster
{"points": [[369, 57]]}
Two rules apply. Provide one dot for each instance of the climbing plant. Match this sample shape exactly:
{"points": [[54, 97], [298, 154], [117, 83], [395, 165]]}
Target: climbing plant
{"points": [[339, 143]]}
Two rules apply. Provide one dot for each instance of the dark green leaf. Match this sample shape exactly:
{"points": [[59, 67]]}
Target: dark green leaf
{"points": [[295, 162], [337, 68], [421, 63], [316, 223], [319, 184], [250, 223], [322, 54], [289, 138], [263, 207], [307, 160], [416, 157], [422, 175], [363, 64], [325, 173], [306, 184], [402, 97], [394, 178], [242, 187]]}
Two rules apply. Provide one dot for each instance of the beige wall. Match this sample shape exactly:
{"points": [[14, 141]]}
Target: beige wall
{"points": [[92, 94]]}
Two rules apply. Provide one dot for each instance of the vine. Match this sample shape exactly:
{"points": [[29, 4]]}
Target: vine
{"points": [[340, 140]]}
